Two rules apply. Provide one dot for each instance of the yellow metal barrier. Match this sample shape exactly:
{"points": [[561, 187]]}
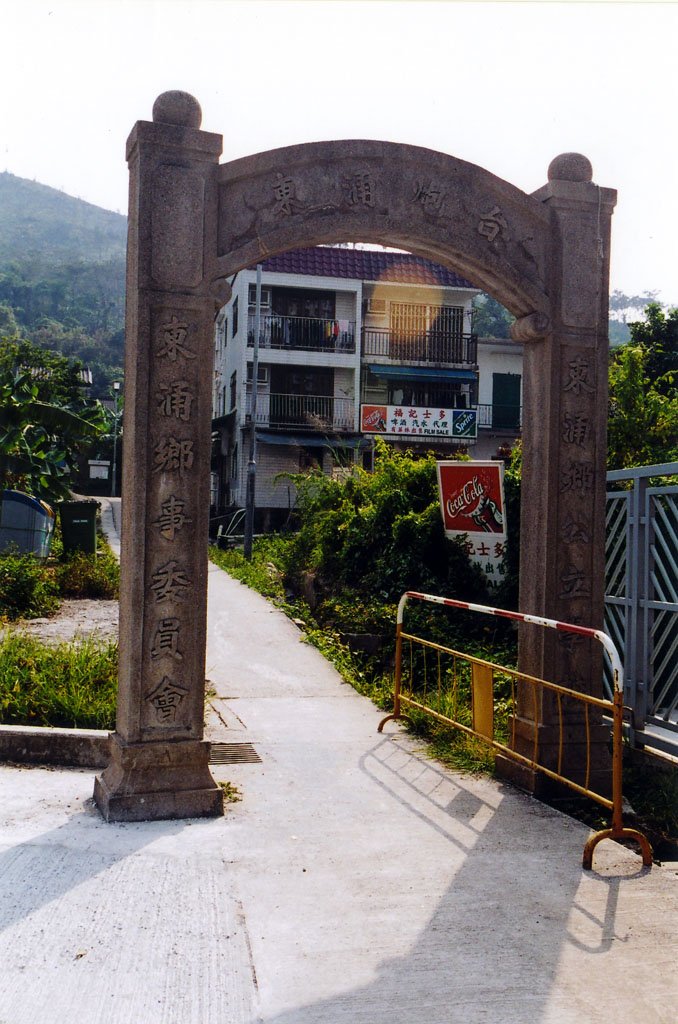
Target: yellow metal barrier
{"points": [[442, 702]]}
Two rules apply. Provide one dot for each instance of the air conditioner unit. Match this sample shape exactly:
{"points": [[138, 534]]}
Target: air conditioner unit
{"points": [[376, 305]]}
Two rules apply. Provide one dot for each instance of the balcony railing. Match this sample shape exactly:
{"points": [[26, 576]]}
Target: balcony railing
{"points": [[500, 417], [303, 332], [305, 412], [425, 347]]}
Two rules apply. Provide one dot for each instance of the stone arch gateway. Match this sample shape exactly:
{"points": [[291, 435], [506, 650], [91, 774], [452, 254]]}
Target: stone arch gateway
{"points": [[192, 224]]}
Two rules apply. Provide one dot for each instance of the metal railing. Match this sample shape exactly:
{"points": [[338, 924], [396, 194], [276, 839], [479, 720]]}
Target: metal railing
{"points": [[479, 698], [500, 417], [424, 347], [311, 334], [310, 412], [641, 598]]}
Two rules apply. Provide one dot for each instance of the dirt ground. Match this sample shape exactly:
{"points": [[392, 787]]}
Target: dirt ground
{"points": [[76, 618]]}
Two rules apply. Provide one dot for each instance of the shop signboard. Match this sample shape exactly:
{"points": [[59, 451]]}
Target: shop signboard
{"points": [[418, 421]]}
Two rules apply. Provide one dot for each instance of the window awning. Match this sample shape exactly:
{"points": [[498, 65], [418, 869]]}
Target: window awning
{"points": [[312, 440], [420, 372]]}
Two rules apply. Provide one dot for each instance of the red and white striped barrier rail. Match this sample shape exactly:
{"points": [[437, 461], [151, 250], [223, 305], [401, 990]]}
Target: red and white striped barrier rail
{"points": [[615, 708], [537, 620]]}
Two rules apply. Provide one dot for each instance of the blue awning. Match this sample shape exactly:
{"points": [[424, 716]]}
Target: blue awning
{"points": [[311, 440], [420, 373]]}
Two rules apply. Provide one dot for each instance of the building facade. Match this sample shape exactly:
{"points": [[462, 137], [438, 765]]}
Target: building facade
{"points": [[353, 344]]}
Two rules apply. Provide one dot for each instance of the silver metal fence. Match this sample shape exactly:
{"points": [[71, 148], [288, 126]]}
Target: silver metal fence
{"points": [[642, 597]]}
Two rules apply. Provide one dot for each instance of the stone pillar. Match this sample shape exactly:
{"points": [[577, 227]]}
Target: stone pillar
{"points": [[159, 761], [562, 568]]}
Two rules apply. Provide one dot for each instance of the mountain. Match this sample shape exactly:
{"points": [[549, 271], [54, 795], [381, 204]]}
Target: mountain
{"points": [[41, 224], [62, 276]]}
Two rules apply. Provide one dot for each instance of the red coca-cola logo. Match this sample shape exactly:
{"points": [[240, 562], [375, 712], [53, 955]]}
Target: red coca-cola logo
{"points": [[471, 498], [374, 417], [469, 495]]}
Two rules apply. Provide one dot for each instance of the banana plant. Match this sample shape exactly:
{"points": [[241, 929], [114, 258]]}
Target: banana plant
{"points": [[39, 441]]}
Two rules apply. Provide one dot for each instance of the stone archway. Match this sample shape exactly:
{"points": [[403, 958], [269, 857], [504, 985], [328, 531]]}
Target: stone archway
{"points": [[193, 223]]}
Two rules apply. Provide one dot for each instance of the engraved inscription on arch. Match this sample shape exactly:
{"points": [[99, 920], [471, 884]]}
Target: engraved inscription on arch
{"points": [[392, 194]]}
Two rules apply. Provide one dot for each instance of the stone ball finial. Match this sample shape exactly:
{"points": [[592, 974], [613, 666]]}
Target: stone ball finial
{"points": [[176, 107], [570, 167]]}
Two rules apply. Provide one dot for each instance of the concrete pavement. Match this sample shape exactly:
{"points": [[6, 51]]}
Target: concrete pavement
{"points": [[355, 881]]}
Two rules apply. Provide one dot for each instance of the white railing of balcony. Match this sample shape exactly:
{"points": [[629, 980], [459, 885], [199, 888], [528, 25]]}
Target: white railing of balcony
{"points": [[303, 332], [307, 412], [428, 347]]}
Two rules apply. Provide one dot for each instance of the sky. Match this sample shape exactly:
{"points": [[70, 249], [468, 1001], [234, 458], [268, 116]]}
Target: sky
{"points": [[504, 85]]}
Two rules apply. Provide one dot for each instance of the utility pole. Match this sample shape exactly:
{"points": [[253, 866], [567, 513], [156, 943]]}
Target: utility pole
{"points": [[252, 464], [116, 392]]}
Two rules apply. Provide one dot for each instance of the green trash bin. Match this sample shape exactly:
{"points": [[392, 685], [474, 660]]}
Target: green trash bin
{"points": [[79, 525]]}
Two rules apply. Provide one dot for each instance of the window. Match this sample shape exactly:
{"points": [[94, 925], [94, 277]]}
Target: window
{"points": [[310, 460], [262, 373], [234, 462], [422, 332], [296, 302], [447, 395], [265, 297], [234, 382], [235, 317]]}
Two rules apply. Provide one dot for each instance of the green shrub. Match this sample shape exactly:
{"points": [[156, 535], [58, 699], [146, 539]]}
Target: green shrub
{"points": [[27, 588], [87, 575], [261, 573], [379, 534], [73, 685]]}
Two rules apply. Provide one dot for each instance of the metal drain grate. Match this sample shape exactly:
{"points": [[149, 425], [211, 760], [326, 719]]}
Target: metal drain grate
{"points": [[233, 753]]}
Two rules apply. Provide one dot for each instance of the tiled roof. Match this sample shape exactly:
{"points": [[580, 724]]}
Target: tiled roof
{"points": [[364, 265]]}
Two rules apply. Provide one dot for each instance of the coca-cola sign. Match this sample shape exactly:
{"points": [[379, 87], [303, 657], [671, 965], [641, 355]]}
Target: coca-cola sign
{"points": [[472, 498], [472, 504]]}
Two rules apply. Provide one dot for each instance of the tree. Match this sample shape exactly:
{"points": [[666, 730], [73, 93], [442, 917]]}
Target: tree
{"points": [[643, 405], [45, 422], [658, 337], [490, 319], [621, 304]]}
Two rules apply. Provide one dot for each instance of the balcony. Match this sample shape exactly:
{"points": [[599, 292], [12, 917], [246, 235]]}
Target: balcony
{"points": [[303, 333], [500, 417], [432, 346], [305, 412]]}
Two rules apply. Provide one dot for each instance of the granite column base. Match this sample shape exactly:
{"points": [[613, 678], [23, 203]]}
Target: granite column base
{"points": [[154, 781]]}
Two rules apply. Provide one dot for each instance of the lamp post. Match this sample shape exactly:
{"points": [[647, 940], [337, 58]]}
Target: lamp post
{"points": [[252, 464], [116, 391]]}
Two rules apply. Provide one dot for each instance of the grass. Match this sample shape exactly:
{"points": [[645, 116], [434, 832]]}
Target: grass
{"points": [[72, 685], [232, 794]]}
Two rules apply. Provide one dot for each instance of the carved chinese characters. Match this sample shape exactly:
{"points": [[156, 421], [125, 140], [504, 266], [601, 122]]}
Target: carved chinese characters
{"points": [[493, 224], [576, 485], [172, 518], [359, 190], [170, 575]]}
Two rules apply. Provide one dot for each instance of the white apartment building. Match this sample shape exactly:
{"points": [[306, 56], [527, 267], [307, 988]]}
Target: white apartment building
{"points": [[354, 344]]}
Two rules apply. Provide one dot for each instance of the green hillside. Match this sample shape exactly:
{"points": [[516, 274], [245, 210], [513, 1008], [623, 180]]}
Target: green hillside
{"points": [[41, 224], [62, 275]]}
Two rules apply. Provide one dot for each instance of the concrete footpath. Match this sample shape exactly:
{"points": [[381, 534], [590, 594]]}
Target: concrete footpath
{"points": [[355, 881]]}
